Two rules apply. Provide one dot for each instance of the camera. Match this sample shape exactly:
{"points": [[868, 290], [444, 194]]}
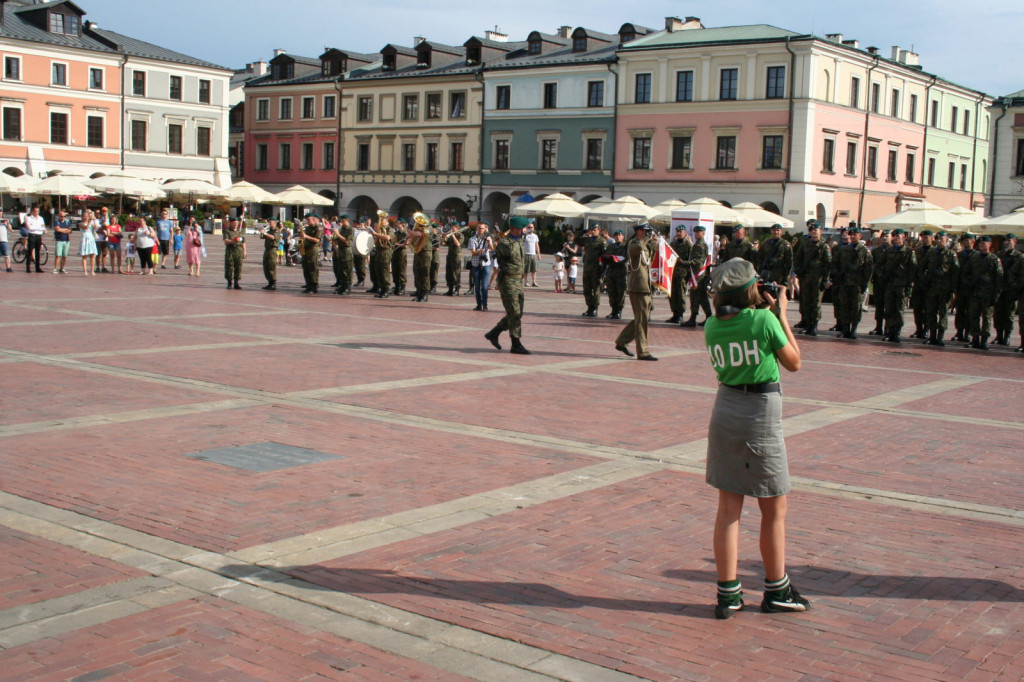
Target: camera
{"points": [[770, 288]]}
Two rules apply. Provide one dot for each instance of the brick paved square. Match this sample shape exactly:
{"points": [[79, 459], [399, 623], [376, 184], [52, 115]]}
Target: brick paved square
{"points": [[263, 457], [985, 399], [87, 337]]}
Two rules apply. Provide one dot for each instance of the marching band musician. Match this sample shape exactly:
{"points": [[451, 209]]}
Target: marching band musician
{"points": [[381, 256], [271, 235], [453, 261], [343, 236], [311, 234], [419, 240], [399, 258]]}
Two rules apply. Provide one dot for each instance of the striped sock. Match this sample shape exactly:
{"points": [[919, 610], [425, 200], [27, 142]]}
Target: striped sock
{"points": [[778, 587], [730, 592]]}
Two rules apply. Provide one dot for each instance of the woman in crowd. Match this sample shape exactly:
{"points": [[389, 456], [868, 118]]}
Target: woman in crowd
{"points": [[194, 247], [114, 236], [87, 249], [145, 240]]}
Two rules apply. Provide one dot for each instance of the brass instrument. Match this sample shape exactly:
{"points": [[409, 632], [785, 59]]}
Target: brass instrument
{"points": [[422, 228]]}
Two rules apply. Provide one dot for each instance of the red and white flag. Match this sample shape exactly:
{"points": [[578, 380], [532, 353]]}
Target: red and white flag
{"points": [[662, 266], [695, 276]]}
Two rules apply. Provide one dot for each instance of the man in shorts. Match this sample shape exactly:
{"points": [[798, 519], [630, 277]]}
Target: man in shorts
{"points": [[531, 247], [61, 241], [164, 226]]}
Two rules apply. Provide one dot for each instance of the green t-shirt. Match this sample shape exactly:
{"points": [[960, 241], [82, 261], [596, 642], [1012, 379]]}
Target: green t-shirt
{"points": [[742, 348]]}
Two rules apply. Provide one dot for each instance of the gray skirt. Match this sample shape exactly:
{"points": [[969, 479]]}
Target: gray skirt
{"points": [[746, 451]]}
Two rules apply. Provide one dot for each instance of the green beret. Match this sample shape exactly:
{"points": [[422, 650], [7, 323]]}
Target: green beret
{"points": [[699, 228], [1010, 235], [885, 232], [897, 231], [518, 222], [926, 233], [968, 235], [985, 238], [941, 233], [776, 226]]}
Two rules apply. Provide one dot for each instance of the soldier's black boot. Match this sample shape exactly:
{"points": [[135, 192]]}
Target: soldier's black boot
{"points": [[492, 336], [877, 331], [931, 338], [672, 320], [983, 342], [518, 348], [975, 342], [692, 322], [840, 329], [229, 284], [450, 292], [894, 336], [811, 329], [616, 314], [802, 324], [1003, 338], [938, 339]]}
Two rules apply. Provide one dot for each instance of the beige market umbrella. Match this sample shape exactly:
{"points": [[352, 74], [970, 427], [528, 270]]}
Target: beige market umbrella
{"points": [[1004, 223], [245, 192], [23, 184], [193, 189], [922, 216], [664, 210], [722, 215], [63, 185], [297, 195], [125, 184], [622, 209], [557, 205], [761, 217]]}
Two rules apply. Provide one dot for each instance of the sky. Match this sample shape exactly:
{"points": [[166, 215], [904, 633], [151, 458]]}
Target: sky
{"points": [[976, 44]]}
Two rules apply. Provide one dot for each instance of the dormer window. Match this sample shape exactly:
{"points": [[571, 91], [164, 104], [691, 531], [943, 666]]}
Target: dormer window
{"points": [[423, 59], [65, 24], [282, 71], [389, 62], [627, 36], [473, 54], [534, 46], [579, 40], [332, 67]]}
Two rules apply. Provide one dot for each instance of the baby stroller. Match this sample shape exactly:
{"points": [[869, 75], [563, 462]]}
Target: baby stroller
{"points": [[293, 255]]}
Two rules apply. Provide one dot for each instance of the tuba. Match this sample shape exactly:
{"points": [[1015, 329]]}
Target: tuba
{"points": [[422, 223]]}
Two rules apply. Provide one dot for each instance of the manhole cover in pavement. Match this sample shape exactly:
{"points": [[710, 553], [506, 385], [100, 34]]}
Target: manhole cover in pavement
{"points": [[900, 352], [263, 456]]}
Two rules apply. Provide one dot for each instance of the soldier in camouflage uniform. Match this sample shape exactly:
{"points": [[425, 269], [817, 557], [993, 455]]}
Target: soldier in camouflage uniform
{"points": [[677, 298], [984, 279], [943, 276], [435, 254], [917, 295], [853, 275], [799, 239], [270, 237], [594, 246], [812, 264], [511, 265], [615, 274], [775, 259], [879, 283], [382, 255], [738, 247], [639, 254], [453, 261], [344, 236], [962, 320], [1012, 261], [312, 234], [234, 253], [900, 269], [399, 258], [420, 237], [697, 262]]}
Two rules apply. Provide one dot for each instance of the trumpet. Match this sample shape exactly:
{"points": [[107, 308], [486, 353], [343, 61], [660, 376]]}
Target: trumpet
{"points": [[381, 213]]}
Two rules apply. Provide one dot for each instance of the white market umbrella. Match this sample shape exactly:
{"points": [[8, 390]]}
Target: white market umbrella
{"points": [[622, 209], [722, 215], [600, 201], [297, 195], [920, 216], [64, 185], [190, 188], [1003, 223], [23, 184], [557, 205], [665, 209], [762, 217], [125, 184], [245, 192]]}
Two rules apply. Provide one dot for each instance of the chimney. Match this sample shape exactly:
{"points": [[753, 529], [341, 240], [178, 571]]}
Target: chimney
{"points": [[673, 24], [693, 22], [873, 50], [257, 68], [855, 44], [564, 31], [416, 40], [279, 51], [834, 37], [496, 35], [895, 53]]}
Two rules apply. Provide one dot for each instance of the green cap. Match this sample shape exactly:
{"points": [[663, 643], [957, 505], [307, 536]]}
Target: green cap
{"points": [[926, 233], [736, 274], [985, 238], [518, 222], [1010, 235], [898, 230]]}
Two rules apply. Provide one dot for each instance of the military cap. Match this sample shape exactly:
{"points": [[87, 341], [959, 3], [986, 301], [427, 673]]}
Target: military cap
{"points": [[776, 226], [1010, 235], [885, 232], [926, 233], [968, 235], [853, 229], [813, 224], [618, 232], [734, 275], [941, 233], [646, 227], [699, 228], [898, 230], [518, 222], [985, 238]]}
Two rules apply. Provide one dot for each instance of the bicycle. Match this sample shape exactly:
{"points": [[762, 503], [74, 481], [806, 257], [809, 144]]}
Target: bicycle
{"points": [[20, 252]]}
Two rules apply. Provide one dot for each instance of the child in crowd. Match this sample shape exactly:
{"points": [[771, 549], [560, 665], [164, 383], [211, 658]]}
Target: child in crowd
{"points": [[573, 269], [129, 254], [179, 241], [559, 268]]}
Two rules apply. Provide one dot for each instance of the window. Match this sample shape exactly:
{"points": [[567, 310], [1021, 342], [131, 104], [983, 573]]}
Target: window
{"points": [[94, 131], [175, 88], [595, 154], [776, 85], [174, 131], [12, 124], [455, 162], [263, 110], [457, 105], [851, 158], [203, 141], [408, 157], [434, 105], [410, 107], [728, 83], [549, 155], [503, 97], [890, 169], [684, 86], [66, 24], [931, 172], [431, 160], [58, 128], [855, 92], [894, 105], [579, 44], [282, 71], [913, 108], [876, 97], [140, 136], [872, 162], [967, 121], [953, 119], [204, 92], [682, 152], [725, 152], [935, 113], [550, 95], [284, 156], [139, 83], [595, 94], [1020, 157], [534, 47], [952, 174], [286, 108], [363, 157], [963, 176], [641, 153], [771, 151], [262, 157], [309, 107], [910, 167], [95, 79], [12, 68], [306, 156], [501, 154], [330, 106], [59, 74], [828, 156], [328, 156], [642, 93], [364, 111]]}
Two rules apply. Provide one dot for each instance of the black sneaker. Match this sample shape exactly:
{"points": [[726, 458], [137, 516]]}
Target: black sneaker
{"points": [[784, 602], [725, 610]]}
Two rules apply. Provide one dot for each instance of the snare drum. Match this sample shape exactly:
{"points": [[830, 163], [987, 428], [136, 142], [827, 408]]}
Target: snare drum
{"points": [[363, 243]]}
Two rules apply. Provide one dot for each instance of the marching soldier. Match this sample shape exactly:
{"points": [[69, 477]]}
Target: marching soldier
{"points": [[234, 253], [435, 254], [399, 258], [917, 294], [900, 269], [775, 259], [697, 268], [1012, 261], [344, 236], [738, 247], [382, 255], [677, 298], [511, 264], [984, 278], [943, 277], [962, 320], [812, 264], [453, 261], [594, 246], [879, 272], [312, 234], [419, 242], [853, 275], [639, 254], [271, 235], [615, 277]]}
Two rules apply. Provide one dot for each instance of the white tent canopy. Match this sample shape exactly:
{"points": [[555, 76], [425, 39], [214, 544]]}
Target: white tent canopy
{"points": [[557, 205], [622, 209], [245, 192], [762, 217], [921, 216], [297, 195], [723, 215]]}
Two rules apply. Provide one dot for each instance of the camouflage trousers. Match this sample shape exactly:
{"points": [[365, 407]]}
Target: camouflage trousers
{"points": [[616, 283], [233, 263], [810, 303], [592, 286], [677, 299], [851, 299], [895, 304], [936, 309], [512, 299], [453, 270], [270, 265], [399, 264]]}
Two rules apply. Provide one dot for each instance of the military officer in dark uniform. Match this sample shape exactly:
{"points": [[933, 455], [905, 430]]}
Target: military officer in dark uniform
{"points": [[234, 253], [594, 246], [677, 298], [813, 265], [615, 274], [639, 255], [738, 247], [984, 278], [854, 274], [900, 269], [879, 283], [697, 268], [961, 319], [943, 277], [917, 294], [270, 236], [775, 259], [399, 258], [344, 236], [511, 265], [312, 234], [1012, 261]]}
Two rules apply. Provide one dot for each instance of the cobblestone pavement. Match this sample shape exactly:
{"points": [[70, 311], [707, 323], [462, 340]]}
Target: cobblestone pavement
{"points": [[205, 484]]}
